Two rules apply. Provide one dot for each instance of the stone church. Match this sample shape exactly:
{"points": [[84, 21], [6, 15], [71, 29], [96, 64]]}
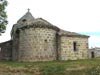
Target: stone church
{"points": [[35, 39]]}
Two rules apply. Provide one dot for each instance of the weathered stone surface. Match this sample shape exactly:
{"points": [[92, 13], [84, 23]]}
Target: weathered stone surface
{"points": [[94, 52], [67, 52], [37, 43], [38, 40], [6, 50]]}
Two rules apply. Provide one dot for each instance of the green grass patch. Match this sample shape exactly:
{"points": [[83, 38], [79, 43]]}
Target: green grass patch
{"points": [[76, 67]]}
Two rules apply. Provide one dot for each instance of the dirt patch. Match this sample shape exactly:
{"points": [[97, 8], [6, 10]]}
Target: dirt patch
{"points": [[77, 68]]}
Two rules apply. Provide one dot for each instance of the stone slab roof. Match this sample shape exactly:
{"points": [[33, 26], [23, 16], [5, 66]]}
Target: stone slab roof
{"points": [[6, 42], [95, 48], [68, 33], [29, 21], [38, 22]]}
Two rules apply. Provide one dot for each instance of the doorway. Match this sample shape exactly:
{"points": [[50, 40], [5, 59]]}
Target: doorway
{"points": [[92, 54]]}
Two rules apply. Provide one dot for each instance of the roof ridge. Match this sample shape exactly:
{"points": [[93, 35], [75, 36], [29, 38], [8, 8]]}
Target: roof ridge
{"points": [[69, 33]]}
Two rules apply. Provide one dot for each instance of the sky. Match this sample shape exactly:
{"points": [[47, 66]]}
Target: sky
{"points": [[81, 16]]}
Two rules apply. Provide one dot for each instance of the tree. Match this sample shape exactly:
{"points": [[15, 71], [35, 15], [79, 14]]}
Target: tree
{"points": [[3, 16]]}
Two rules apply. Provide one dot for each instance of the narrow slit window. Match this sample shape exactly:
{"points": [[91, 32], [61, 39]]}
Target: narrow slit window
{"points": [[45, 45], [75, 46]]}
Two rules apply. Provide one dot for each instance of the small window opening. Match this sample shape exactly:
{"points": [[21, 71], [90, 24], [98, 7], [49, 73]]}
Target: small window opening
{"points": [[24, 20], [74, 46], [45, 45]]}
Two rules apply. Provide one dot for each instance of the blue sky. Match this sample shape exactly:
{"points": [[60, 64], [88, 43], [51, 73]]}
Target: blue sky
{"points": [[94, 40], [82, 16], [91, 33]]}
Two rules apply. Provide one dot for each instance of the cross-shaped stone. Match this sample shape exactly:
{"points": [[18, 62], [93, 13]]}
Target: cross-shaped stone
{"points": [[28, 9]]}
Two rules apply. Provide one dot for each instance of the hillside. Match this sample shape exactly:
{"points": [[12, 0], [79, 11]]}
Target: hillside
{"points": [[77, 67]]}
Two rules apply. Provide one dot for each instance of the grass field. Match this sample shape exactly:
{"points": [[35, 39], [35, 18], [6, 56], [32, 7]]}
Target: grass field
{"points": [[77, 67]]}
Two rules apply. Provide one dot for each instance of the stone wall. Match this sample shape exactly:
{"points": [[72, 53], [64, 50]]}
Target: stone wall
{"points": [[37, 44], [94, 53], [67, 48], [15, 46], [6, 50]]}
